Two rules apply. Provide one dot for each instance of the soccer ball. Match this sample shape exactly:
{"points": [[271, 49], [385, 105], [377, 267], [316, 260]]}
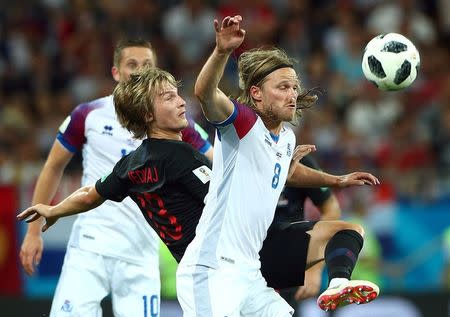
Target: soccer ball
{"points": [[390, 61]]}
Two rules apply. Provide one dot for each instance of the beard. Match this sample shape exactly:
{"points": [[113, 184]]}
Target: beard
{"points": [[280, 114]]}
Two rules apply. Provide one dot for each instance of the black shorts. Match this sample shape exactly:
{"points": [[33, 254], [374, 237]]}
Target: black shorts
{"points": [[284, 252]]}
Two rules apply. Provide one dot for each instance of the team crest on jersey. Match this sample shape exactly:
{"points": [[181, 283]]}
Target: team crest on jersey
{"points": [[107, 129], [289, 150], [203, 173], [67, 306]]}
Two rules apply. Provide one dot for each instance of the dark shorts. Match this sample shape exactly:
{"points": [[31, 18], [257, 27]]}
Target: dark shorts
{"points": [[284, 252]]}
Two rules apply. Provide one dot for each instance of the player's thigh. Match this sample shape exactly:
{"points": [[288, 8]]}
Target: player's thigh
{"points": [[135, 289], [263, 301], [206, 292], [82, 285], [284, 254]]}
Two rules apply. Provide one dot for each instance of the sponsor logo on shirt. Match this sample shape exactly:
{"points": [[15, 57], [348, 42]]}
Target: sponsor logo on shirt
{"points": [[88, 237], [107, 129], [203, 173], [144, 175], [224, 258], [289, 150]]}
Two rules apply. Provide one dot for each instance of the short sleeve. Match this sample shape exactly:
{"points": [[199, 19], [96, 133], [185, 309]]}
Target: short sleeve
{"points": [[112, 186], [71, 132]]}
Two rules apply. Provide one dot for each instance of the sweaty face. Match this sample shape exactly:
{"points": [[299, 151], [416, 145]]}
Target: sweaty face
{"points": [[133, 58], [169, 110], [279, 94]]}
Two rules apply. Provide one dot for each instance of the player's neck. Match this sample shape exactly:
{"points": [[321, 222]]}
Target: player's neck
{"points": [[165, 134], [273, 126]]}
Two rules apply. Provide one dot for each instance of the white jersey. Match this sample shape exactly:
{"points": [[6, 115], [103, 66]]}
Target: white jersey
{"points": [[112, 229], [249, 171]]}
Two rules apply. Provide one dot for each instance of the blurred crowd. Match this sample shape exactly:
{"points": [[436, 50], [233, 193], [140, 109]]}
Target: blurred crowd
{"points": [[55, 54]]}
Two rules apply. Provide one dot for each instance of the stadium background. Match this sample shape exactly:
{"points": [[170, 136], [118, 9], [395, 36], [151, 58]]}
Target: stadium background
{"points": [[57, 53]]}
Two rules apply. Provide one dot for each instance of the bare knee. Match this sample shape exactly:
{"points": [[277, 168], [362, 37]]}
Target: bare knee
{"points": [[356, 227], [340, 225], [325, 230]]}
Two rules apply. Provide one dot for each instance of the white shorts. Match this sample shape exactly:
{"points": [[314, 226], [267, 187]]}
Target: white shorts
{"points": [[207, 292], [87, 277]]}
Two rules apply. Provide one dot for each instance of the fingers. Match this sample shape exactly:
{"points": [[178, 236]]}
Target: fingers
{"points": [[35, 217], [225, 22], [228, 21], [27, 262], [37, 258], [235, 20], [50, 222], [216, 25], [303, 150], [28, 266], [362, 178], [368, 179], [26, 213]]}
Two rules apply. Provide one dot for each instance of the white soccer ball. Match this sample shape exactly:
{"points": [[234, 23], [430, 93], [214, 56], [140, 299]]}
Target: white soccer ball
{"points": [[390, 61]]}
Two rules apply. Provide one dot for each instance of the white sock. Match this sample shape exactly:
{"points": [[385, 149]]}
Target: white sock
{"points": [[335, 282]]}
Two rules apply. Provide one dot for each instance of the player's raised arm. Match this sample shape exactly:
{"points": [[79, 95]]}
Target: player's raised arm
{"points": [[215, 104], [83, 199]]}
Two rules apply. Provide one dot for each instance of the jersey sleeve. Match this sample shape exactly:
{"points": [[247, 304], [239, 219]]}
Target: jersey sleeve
{"points": [[243, 119], [318, 195], [196, 136], [113, 186], [71, 133]]}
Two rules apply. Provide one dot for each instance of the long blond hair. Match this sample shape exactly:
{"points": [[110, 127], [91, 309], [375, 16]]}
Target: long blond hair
{"points": [[254, 66]]}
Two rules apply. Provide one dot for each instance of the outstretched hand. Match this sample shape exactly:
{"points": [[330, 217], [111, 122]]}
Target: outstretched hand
{"points": [[357, 179], [35, 212], [229, 34], [300, 152]]}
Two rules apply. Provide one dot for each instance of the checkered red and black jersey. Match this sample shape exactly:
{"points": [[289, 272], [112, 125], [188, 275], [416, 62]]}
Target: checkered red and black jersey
{"points": [[168, 180]]}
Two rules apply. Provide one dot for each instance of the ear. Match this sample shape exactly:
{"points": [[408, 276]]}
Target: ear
{"points": [[149, 117], [255, 93], [115, 73]]}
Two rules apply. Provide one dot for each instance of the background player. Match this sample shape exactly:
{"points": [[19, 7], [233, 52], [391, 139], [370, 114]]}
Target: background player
{"points": [[105, 255], [219, 274], [290, 208]]}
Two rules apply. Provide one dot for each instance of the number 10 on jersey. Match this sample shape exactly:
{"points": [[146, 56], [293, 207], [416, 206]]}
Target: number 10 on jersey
{"points": [[150, 306]]}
